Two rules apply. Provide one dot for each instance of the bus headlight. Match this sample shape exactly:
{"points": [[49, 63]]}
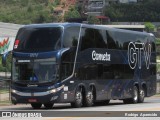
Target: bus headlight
{"points": [[56, 89], [53, 91], [13, 91]]}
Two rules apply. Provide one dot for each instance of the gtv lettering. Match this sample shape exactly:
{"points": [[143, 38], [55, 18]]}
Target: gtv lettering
{"points": [[33, 55], [135, 52]]}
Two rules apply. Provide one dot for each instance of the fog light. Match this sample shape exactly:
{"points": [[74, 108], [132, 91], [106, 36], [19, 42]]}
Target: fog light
{"points": [[13, 98], [54, 98]]}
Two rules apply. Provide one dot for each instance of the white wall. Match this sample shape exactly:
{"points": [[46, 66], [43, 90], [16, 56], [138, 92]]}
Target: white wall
{"points": [[127, 1], [6, 44], [123, 1], [132, 0]]}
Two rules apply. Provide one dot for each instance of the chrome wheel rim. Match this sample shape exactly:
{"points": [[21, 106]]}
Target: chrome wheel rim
{"points": [[135, 95], [79, 97], [142, 94], [90, 97]]}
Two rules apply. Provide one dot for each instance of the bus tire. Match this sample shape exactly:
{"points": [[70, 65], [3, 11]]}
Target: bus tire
{"points": [[134, 99], [48, 105], [126, 101], [135, 95], [36, 105], [100, 103], [78, 102], [89, 99], [141, 95], [106, 102]]}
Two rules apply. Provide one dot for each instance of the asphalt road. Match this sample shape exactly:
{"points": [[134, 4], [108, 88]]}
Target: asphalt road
{"points": [[150, 104], [116, 110]]}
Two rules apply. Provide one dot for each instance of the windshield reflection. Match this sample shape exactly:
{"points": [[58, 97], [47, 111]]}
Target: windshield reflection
{"points": [[39, 71]]}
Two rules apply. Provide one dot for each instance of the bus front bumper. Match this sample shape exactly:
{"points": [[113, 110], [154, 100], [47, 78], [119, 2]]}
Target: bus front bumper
{"points": [[35, 97]]}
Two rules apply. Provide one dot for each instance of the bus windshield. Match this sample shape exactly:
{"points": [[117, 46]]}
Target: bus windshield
{"points": [[38, 39], [35, 71]]}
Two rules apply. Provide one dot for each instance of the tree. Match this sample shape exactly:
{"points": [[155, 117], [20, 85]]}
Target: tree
{"points": [[27, 11], [7, 68], [149, 27], [148, 10], [57, 2], [72, 13], [93, 20]]}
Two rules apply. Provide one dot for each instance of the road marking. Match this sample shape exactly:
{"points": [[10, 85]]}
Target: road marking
{"points": [[107, 112], [148, 109], [63, 118]]}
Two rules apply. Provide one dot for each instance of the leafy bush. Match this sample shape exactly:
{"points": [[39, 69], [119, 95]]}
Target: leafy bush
{"points": [[8, 64], [26, 11], [72, 13], [157, 41], [93, 20]]}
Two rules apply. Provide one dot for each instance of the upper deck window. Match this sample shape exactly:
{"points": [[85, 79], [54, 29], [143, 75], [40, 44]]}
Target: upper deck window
{"points": [[71, 36], [39, 39], [93, 38]]}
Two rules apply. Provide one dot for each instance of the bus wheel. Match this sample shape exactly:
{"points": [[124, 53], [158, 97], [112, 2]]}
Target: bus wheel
{"points": [[89, 99], [106, 102], [48, 105], [126, 101], [135, 95], [100, 103], [78, 99], [134, 99], [36, 105], [141, 95]]}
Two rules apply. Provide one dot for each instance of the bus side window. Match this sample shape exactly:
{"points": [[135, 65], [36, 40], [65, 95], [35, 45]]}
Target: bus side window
{"points": [[71, 36], [70, 41], [100, 39], [93, 38], [87, 39], [88, 72], [108, 72], [100, 71], [112, 43]]}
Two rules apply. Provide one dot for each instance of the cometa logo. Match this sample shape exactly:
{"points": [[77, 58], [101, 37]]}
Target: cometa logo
{"points": [[135, 51], [100, 57]]}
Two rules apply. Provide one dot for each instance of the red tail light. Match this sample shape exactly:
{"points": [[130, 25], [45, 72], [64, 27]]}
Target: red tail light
{"points": [[16, 43]]}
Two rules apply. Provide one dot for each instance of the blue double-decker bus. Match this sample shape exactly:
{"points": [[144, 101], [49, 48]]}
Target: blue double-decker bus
{"points": [[81, 64]]}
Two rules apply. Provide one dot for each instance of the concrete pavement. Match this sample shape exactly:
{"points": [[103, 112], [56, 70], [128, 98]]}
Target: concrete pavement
{"points": [[4, 97]]}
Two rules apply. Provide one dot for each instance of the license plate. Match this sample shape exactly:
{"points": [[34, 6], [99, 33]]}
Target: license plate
{"points": [[32, 100]]}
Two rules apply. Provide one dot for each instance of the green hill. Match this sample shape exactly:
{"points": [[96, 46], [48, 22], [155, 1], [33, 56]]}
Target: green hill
{"points": [[27, 11]]}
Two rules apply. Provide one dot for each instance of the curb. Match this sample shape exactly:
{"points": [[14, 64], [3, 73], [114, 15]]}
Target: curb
{"points": [[5, 104]]}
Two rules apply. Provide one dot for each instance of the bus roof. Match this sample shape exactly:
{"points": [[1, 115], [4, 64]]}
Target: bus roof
{"points": [[124, 26], [104, 27], [52, 25]]}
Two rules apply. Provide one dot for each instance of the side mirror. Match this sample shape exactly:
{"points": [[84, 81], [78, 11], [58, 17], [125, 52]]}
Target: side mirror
{"points": [[4, 58]]}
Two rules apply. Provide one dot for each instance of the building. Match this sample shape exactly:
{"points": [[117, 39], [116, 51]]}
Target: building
{"points": [[95, 7]]}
